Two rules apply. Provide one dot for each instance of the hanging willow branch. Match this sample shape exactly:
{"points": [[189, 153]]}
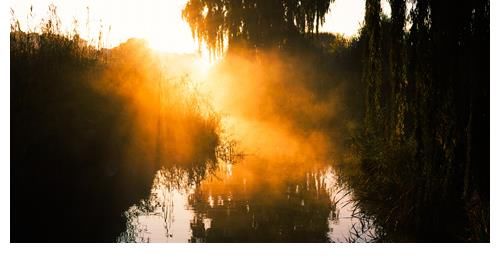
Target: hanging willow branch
{"points": [[256, 23]]}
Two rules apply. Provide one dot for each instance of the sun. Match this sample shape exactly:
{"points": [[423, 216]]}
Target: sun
{"points": [[173, 43], [167, 31]]}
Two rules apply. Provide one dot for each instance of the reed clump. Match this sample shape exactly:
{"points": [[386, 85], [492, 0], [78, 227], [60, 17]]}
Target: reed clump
{"points": [[90, 126]]}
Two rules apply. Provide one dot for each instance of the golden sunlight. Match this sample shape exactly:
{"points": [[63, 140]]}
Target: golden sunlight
{"points": [[158, 22]]}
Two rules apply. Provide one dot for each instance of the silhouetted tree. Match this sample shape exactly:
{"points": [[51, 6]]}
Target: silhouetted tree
{"points": [[372, 73], [435, 114], [253, 23]]}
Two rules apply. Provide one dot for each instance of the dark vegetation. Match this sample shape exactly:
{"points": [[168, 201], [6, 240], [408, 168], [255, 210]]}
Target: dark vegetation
{"points": [[254, 24], [89, 129], [423, 151], [417, 97]]}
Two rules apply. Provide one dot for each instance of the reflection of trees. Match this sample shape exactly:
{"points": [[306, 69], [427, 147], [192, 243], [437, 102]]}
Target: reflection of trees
{"points": [[294, 208], [161, 200], [264, 203]]}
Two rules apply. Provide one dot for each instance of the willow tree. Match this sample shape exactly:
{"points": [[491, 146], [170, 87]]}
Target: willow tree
{"points": [[222, 24], [398, 105], [428, 118], [372, 69]]}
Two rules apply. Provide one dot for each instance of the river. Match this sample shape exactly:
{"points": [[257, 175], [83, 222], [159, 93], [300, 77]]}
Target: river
{"points": [[252, 201]]}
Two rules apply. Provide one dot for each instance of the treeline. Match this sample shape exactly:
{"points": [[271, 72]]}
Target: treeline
{"points": [[89, 129], [423, 151]]}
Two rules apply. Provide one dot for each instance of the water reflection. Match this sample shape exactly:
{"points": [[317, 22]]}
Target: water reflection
{"points": [[253, 201]]}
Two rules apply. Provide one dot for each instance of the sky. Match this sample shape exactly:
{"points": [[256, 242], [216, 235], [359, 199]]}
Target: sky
{"points": [[123, 19]]}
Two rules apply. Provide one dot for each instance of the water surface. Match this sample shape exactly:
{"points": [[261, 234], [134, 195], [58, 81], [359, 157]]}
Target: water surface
{"points": [[252, 201]]}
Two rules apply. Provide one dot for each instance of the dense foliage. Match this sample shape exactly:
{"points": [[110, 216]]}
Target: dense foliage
{"points": [[424, 149], [254, 23]]}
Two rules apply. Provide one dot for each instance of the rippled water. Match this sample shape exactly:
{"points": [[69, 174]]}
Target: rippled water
{"points": [[253, 201]]}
